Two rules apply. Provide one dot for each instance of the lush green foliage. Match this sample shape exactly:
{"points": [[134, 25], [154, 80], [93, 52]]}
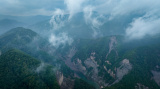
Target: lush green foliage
{"points": [[81, 84], [18, 70]]}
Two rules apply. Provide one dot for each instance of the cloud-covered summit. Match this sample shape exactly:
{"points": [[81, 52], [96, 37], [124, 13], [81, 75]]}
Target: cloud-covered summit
{"points": [[147, 23]]}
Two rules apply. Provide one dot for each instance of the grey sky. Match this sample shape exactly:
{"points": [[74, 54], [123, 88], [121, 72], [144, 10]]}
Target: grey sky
{"points": [[46, 7], [147, 24], [29, 7]]}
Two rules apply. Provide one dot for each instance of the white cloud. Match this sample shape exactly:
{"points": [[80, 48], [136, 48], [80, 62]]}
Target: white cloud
{"points": [[115, 8], [143, 26], [93, 20], [58, 19], [74, 6], [40, 68], [60, 39]]}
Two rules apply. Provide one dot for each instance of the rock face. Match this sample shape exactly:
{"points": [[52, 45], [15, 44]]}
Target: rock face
{"points": [[65, 83], [113, 42], [68, 61], [90, 62], [123, 70], [79, 67], [59, 77], [93, 74], [90, 68], [156, 76], [140, 86], [93, 68], [72, 52]]}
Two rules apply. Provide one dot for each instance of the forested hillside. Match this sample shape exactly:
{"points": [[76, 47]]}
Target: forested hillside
{"points": [[19, 70]]}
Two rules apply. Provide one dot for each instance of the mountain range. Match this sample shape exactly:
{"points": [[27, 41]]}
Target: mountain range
{"points": [[108, 62]]}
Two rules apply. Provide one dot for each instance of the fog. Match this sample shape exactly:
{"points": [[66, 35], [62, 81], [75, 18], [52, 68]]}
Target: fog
{"points": [[87, 18]]}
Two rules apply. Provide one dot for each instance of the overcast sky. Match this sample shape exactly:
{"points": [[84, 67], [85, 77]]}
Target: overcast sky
{"points": [[47, 7], [147, 24], [29, 7]]}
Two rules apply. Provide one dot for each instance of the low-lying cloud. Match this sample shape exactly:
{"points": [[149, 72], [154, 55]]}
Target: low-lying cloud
{"points": [[95, 12], [92, 20], [143, 26], [74, 6], [60, 39], [58, 19]]}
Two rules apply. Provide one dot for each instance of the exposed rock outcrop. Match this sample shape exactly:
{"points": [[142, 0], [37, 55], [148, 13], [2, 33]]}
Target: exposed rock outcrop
{"points": [[65, 83], [113, 42], [72, 52], [59, 77], [123, 70], [79, 67], [91, 63], [108, 62], [68, 57], [140, 86], [156, 76]]}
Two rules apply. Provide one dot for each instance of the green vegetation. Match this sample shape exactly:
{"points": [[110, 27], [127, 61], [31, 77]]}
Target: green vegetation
{"points": [[28, 41], [144, 59], [18, 71], [81, 84]]}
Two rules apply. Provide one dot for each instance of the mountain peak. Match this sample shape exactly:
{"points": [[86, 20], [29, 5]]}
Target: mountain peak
{"points": [[21, 32]]}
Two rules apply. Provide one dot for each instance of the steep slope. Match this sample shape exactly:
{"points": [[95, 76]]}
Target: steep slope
{"points": [[19, 70], [17, 36], [43, 28], [34, 45], [114, 63], [27, 41], [96, 59], [75, 27], [106, 62], [145, 61]]}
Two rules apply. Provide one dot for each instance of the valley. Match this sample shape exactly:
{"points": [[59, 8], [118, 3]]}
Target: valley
{"points": [[104, 62]]}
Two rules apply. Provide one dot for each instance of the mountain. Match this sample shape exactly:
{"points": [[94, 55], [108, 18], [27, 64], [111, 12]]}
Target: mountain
{"points": [[17, 38], [43, 27], [79, 27], [113, 63], [7, 24], [31, 43], [26, 19], [19, 70], [109, 62], [74, 27], [27, 41]]}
